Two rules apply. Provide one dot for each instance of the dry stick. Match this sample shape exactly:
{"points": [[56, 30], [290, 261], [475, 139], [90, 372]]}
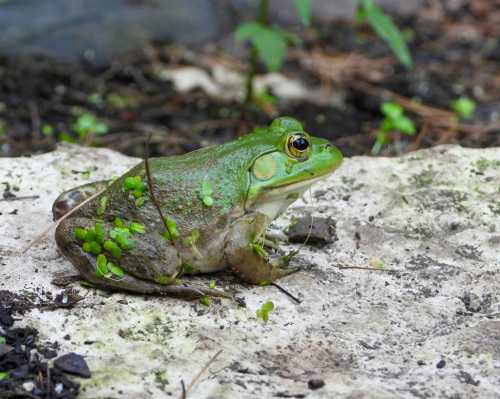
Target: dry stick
{"points": [[197, 377], [284, 291], [26, 197], [151, 191], [183, 386], [369, 268], [58, 221]]}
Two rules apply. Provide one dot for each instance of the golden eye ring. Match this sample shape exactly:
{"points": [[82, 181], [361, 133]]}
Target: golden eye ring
{"points": [[298, 146]]}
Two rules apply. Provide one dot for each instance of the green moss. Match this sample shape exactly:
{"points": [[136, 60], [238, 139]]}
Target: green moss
{"points": [[92, 247]]}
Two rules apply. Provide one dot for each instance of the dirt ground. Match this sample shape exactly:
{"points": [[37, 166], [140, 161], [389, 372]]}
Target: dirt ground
{"points": [[456, 50]]}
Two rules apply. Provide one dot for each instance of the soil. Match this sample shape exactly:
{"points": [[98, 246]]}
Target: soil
{"points": [[456, 50], [25, 368]]}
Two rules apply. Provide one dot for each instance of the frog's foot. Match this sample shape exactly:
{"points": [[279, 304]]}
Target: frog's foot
{"points": [[245, 256]]}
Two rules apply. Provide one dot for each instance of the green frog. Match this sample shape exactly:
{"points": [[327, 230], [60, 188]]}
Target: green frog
{"points": [[201, 212]]}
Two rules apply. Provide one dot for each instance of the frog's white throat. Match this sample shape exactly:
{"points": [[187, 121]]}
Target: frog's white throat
{"points": [[273, 202]]}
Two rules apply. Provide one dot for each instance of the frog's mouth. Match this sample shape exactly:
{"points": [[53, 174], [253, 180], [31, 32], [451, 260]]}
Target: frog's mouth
{"points": [[273, 201]]}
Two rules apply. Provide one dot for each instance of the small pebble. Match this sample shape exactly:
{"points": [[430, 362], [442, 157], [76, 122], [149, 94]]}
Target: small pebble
{"points": [[441, 364], [73, 363], [315, 383]]}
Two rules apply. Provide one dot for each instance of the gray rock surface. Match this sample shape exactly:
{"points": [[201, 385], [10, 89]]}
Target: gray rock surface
{"points": [[425, 326]]}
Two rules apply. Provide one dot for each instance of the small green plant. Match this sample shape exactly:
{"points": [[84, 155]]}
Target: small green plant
{"points": [[369, 11], [4, 375], [464, 107], [268, 43], [395, 121], [87, 126], [265, 309], [205, 301]]}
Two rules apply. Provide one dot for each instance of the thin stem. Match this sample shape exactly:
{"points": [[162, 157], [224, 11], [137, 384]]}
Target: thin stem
{"points": [[263, 19]]}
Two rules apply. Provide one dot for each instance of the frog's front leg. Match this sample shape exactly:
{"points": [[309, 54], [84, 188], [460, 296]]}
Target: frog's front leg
{"points": [[135, 262], [244, 253]]}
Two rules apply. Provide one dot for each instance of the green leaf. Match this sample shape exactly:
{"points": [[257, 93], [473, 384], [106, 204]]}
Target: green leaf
{"points": [[103, 203], [113, 248], [99, 232], [208, 201], [205, 301], [92, 247], [4, 375], [2, 340], [404, 125], [385, 28], [304, 9], [271, 44], [392, 110], [119, 222], [137, 228], [133, 183], [140, 202], [259, 250], [206, 189], [116, 270], [464, 107], [125, 242], [211, 285], [47, 130], [101, 266], [265, 309], [65, 137], [100, 129], [80, 233], [119, 231], [172, 233]]}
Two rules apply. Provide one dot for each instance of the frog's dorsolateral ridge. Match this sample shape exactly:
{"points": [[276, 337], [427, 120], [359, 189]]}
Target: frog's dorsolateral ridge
{"points": [[217, 203]]}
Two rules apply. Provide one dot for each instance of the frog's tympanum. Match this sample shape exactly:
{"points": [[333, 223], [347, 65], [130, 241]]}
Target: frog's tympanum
{"points": [[216, 203]]}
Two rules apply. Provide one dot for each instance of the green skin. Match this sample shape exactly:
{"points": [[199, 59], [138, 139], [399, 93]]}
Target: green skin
{"points": [[250, 181]]}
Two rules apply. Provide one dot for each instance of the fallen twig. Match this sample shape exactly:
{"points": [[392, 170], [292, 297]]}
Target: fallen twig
{"points": [[186, 390], [284, 291], [151, 191]]}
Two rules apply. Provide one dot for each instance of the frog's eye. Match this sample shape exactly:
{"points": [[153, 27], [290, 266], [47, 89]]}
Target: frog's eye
{"points": [[298, 146]]}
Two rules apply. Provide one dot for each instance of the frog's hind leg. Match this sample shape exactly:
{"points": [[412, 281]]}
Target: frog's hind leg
{"points": [[71, 198], [246, 257]]}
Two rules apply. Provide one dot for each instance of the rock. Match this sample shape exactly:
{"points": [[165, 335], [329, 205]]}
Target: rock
{"points": [[318, 231], [73, 363], [432, 217], [315, 383]]}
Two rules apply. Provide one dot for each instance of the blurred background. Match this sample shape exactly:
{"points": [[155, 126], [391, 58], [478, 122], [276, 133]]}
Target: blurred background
{"points": [[379, 77]]}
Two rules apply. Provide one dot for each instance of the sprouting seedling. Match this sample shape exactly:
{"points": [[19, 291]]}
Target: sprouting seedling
{"points": [[264, 310], [464, 107], [206, 193], [395, 121], [87, 125], [268, 43]]}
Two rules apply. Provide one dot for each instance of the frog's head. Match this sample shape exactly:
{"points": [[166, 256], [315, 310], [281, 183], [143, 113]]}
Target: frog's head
{"points": [[297, 160]]}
